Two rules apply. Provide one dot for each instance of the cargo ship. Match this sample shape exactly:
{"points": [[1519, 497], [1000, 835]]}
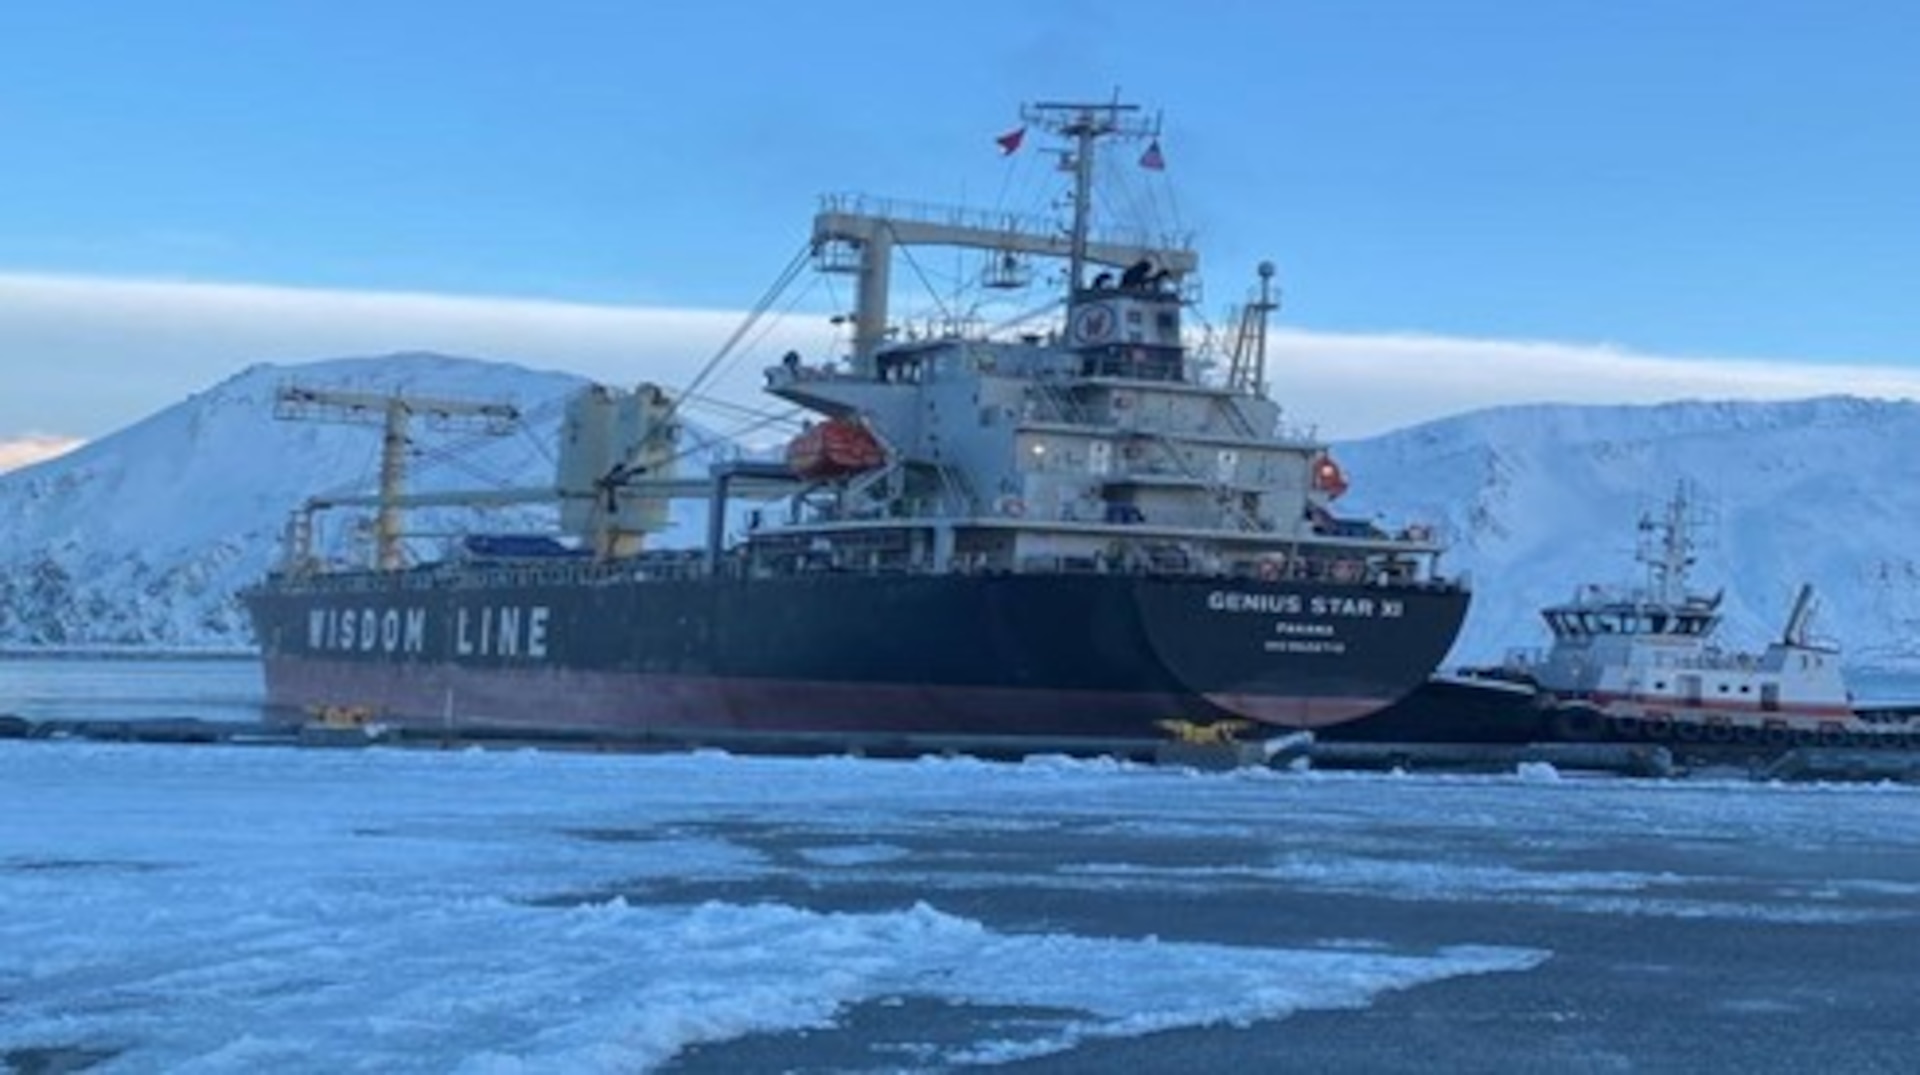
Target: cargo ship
{"points": [[1077, 528]]}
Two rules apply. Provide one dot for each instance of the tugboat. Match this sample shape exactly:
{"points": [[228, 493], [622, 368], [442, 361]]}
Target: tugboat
{"points": [[1644, 663], [1067, 532]]}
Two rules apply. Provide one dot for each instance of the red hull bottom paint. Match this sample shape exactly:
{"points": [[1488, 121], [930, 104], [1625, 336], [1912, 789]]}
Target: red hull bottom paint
{"points": [[564, 701], [1297, 713], [1642, 704]]}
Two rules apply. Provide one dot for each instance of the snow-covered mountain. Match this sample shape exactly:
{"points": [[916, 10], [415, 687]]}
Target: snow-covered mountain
{"points": [[1539, 499], [141, 538]]}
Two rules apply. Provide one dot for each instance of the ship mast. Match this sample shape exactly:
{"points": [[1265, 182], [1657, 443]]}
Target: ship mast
{"points": [[1085, 124], [1667, 547], [857, 235], [1248, 370]]}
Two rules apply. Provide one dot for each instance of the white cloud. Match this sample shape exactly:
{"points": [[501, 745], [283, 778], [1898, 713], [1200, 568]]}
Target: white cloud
{"points": [[88, 355], [17, 452], [1358, 384]]}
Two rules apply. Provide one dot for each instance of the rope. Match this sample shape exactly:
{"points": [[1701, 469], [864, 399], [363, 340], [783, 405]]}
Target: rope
{"points": [[753, 316]]}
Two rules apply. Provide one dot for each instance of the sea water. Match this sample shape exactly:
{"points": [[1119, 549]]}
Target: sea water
{"points": [[1878, 686], [120, 687]]}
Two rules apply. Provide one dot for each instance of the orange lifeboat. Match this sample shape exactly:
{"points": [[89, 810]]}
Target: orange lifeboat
{"points": [[835, 448], [1328, 477]]}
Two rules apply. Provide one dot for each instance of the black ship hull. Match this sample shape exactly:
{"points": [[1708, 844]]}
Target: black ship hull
{"points": [[1449, 708], [1005, 657]]}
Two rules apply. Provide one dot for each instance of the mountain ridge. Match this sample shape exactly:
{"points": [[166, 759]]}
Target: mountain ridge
{"points": [[141, 538]]}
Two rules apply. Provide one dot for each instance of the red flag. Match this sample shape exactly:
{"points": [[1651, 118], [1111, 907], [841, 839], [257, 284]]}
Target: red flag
{"points": [[1151, 159], [1011, 140]]}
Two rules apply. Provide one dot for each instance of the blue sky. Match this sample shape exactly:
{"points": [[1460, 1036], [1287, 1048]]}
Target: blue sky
{"points": [[1697, 181]]}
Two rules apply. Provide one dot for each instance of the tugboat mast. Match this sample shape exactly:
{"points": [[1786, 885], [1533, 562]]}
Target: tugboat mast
{"points": [[1085, 124], [1667, 545]]}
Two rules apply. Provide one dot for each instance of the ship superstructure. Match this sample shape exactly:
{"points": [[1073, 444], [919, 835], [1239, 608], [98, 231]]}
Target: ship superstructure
{"points": [[1075, 529], [1096, 447]]}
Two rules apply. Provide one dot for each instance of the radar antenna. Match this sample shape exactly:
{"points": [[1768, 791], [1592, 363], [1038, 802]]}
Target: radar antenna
{"points": [[1668, 543]]}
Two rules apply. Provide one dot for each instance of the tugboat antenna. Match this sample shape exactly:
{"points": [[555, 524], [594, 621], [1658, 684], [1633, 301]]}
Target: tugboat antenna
{"points": [[1667, 545]]}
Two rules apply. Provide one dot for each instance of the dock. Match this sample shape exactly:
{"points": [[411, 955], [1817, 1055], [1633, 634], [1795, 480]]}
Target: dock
{"points": [[1298, 751]]}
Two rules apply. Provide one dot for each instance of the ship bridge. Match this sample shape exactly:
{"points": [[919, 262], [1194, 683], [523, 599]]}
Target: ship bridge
{"points": [[1581, 621]]}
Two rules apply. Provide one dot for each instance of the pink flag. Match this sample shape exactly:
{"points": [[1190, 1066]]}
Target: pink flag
{"points": [[1151, 159], [1011, 140]]}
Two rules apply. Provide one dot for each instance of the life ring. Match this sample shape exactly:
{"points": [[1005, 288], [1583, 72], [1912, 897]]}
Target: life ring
{"points": [[1013, 506], [1269, 571]]}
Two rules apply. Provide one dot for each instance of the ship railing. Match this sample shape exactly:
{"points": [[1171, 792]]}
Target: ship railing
{"points": [[1709, 660], [853, 203], [1164, 560], [678, 564], [787, 374], [1522, 659], [1169, 454], [1026, 225], [1158, 559], [1171, 562], [1067, 565], [1052, 402], [957, 496], [688, 565]]}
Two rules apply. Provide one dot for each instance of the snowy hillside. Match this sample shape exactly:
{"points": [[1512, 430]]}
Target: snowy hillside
{"points": [[1539, 499], [141, 538]]}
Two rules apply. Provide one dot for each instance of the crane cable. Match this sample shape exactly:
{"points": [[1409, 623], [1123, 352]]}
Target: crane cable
{"points": [[759, 310]]}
